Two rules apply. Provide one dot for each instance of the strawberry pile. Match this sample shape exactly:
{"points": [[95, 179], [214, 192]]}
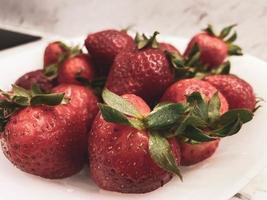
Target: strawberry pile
{"points": [[134, 109]]}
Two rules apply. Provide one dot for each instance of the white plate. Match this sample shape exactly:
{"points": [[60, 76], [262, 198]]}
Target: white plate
{"points": [[237, 160]]}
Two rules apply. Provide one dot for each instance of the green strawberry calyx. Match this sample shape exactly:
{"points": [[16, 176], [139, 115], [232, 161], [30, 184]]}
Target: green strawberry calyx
{"points": [[142, 41], [191, 66], [202, 121], [194, 121], [115, 109], [227, 37], [20, 98], [51, 71]]}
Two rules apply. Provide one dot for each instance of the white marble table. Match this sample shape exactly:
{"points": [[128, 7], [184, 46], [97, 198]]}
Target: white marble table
{"points": [[172, 17]]}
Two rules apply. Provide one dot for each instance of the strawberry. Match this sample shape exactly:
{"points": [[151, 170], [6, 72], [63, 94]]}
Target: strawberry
{"points": [[80, 97], [195, 153], [79, 65], [53, 52], [178, 91], [43, 138], [58, 53], [214, 49], [209, 109], [35, 78], [121, 155], [133, 150], [104, 46], [237, 91], [138, 72]]}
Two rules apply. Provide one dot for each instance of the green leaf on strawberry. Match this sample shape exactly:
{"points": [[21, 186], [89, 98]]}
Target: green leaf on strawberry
{"points": [[227, 38], [120, 104], [222, 69], [142, 41], [160, 151], [21, 101], [244, 115], [234, 50], [36, 89], [51, 71], [232, 38], [214, 106], [196, 134], [225, 31], [164, 115], [190, 66], [209, 30], [20, 98], [197, 105], [203, 122], [48, 99], [112, 115], [227, 129], [19, 91]]}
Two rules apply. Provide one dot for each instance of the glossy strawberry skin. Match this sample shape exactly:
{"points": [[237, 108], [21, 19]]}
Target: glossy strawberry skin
{"points": [[213, 50], [168, 47], [78, 65], [82, 101], [35, 77], [37, 142], [178, 91], [145, 73], [104, 46], [237, 91], [50, 142], [52, 53], [119, 158], [194, 153]]}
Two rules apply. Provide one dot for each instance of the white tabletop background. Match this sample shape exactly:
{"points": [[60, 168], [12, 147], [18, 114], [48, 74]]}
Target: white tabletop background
{"points": [[171, 17]]}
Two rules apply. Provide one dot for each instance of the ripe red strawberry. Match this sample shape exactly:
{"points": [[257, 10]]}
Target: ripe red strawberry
{"points": [[214, 48], [37, 142], [79, 65], [139, 72], [104, 46], [119, 155], [178, 91], [168, 47], [53, 52], [237, 91], [51, 141], [35, 78], [80, 97], [194, 153]]}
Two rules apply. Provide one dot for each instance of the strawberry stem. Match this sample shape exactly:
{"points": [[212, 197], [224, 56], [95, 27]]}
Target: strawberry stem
{"points": [[142, 41]]}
